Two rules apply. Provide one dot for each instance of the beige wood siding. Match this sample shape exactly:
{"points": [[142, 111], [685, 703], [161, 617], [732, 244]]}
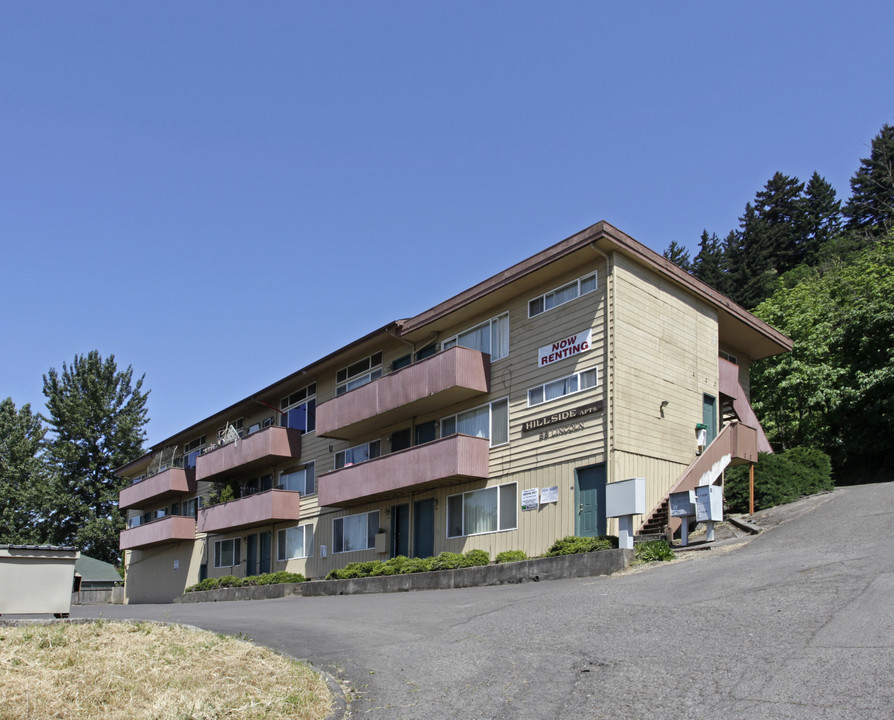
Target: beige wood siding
{"points": [[665, 350], [150, 574]]}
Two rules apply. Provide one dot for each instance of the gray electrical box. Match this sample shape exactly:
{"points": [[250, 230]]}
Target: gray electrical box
{"points": [[709, 503], [682, 504]]}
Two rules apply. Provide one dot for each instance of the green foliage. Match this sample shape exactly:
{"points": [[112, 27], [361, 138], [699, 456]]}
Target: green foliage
{"points": [[223, 492], [779, 478], [231, 581], [654, 550], [508, 556], [24, 480], [870, 209], [571, 545], [474, 558], [401, 565], [96, 415], [678, 255], [835, 390]]}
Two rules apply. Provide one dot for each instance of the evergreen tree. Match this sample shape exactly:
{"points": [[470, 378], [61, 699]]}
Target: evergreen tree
{"points": [[679, 256], [870, 209], [23, 476], [751, 275], [96, 414], [821, 217], [708, 265], [781, 210]]}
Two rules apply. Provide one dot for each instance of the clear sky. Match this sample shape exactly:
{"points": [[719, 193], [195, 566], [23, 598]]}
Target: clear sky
{"points": [[219, 193]]}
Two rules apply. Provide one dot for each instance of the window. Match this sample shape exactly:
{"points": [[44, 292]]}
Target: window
{"points": [[489, 337], [355, 532], [483, 511], [562, 295], [358, 454], [301, 481], [191, 451], [227, 552], [729, 358], [295, 542], [300, 409], [190, 508], [488, 421], [358, 374], [563, 386]]}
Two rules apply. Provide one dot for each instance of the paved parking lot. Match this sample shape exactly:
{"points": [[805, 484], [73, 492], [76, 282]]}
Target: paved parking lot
{"points": [[797, 622]]}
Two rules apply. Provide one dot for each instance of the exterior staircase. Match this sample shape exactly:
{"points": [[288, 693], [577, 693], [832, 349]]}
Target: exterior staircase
{"points": [[737, 444]]}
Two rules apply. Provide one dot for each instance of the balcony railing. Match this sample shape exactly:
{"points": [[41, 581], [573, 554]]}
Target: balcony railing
{"points": [[272, 444], [449, 377], [167, 530], [458, 457], [169, 483], [260, 508]]}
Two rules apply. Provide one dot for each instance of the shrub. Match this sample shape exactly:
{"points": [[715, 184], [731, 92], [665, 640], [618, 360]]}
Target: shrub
{"points": [[447, 561], [508, 556], [415, 565], [654, 550], [779, 478], [251, 580], [474, 558], [571, 545]]}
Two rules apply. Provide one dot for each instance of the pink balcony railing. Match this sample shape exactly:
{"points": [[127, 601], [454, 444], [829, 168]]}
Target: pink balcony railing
{"points": [[170, 483], [261, 508], [449, 377], [270, 445], [444, 461], [171, 529]]}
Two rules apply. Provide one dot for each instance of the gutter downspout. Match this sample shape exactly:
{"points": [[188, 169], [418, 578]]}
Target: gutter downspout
{"points": [[609, 360]]}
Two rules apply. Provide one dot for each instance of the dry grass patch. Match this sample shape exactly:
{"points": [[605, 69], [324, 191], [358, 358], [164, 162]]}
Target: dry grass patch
{"points": [[144, 671]]}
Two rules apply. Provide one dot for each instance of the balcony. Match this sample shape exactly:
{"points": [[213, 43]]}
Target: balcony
{"points": [[258, 450], [449, 377], [170, 483], [165, 531], [442, 462], [263, 508]]}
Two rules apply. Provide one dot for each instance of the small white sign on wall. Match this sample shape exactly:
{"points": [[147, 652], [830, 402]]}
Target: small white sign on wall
{"points": [[176, 564], [564, 348], [549, 495], [529, 499]]}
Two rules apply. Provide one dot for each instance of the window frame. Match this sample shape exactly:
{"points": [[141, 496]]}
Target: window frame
{"points": [[307, 548], [579, 375], [236, 552], [370, 536], [373, 369], [490, 421], [311, 466], [578, 283], [499, 511], [370, 456], [453, 340]]}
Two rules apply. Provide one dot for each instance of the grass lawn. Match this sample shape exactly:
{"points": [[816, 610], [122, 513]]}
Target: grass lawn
{"points": [[143, 671]]}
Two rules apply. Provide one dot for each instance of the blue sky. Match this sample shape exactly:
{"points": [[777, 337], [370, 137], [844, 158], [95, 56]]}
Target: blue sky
{"points": [[219, 193]]}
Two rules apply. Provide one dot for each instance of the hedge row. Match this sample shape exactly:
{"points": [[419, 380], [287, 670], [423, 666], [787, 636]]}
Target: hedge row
{"points": [[402, 565], [230, 581]]}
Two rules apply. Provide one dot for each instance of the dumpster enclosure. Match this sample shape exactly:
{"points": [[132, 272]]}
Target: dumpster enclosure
{"points": [[36, 579]]}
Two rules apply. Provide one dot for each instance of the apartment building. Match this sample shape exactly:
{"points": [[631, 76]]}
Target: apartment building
{"points": [[493, 420]]}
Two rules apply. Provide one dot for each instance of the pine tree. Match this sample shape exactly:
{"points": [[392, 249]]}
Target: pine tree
{"points": [[23, 476], [870, 209], [708, 265], [679, 256], [781, 211], [751, 276], [96, 414], [821, 217]]}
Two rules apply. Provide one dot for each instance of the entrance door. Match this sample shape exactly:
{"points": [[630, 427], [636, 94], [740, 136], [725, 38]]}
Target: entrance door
{"points": [[251, 555], [400, 530], [709, 417], [424, 528], [266, 548], [589, 491]]}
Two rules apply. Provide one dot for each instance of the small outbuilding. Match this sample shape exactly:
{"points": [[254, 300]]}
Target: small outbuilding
{"points": [[36, 579]]}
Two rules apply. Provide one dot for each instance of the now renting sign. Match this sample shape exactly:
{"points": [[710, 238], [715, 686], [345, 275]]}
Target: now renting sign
{"points": [[565, 348]]}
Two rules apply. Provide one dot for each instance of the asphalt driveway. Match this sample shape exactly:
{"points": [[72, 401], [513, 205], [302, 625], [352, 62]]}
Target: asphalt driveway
{"points": [[796, 623]]}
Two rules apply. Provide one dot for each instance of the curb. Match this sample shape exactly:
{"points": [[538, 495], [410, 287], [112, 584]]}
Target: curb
{"points": [[743, 524]]}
